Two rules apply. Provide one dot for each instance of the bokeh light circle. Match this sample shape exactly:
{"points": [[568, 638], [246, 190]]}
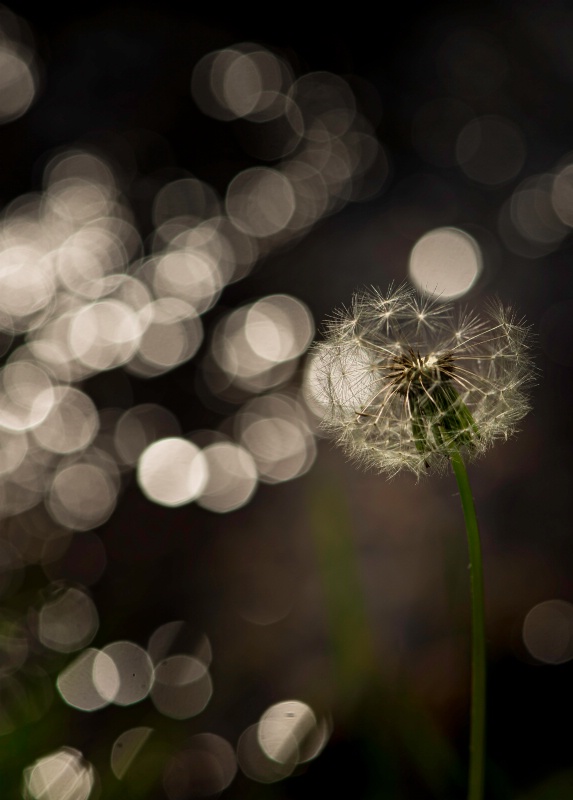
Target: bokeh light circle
{"points": [[445, 262], [548, 631], [172, 471]]}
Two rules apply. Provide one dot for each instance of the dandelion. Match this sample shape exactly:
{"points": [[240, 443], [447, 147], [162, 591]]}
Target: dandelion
{"points": [[408, 382], [405, 380]]}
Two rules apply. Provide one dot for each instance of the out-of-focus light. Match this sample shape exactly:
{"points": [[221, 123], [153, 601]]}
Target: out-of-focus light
{"points": [[275, 431], [256, 764], [324, 96], [278, 328], [71, 424], [83, 495], [90, 682], [68, 622], [548, 631], [244, 89], [33, 533], [175, 635], [491, 150], [50, 346], [187, 198], [446, 263], [126, 749], [562, 194], [232, 478], [27, 397], [13, 449], [260, 201], [533, 214], [182, 687], [205, 768], [134, 670], [26, 286], [172, 472], [81, 201], [529, 224], [210, 241], [173, 333], [252, 342], [62, 775], [18, 85], [238, 251], [310, 190], [21, 492], [280, 448], [242, 81], [82, 165], [283, 728], [191, 275], [105, 334], [141, 425]]}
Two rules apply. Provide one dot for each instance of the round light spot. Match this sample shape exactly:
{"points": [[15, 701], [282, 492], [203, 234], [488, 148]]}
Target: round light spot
{"points": [[82, 496], [282, 449], [548, 631], [173, 333], [446, 263], [562, 194], [278, 328], [139, 427], [68, 622], [204, 769], [232, 477], [182, 687], [256, 764], [28, 395], [71, 424], [193, 276], [105, 334], [18, 82], [126, 749], [90, 682], [172, 472], [260, 201], [491, 150], [134, 668], [282, 729], [62, 775]]}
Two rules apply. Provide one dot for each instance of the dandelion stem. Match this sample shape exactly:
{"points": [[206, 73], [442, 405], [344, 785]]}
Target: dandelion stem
{"points": [[477, 729]]}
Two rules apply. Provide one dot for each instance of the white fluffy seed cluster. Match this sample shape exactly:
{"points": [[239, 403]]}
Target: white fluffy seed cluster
{"points": [[404, 379]]}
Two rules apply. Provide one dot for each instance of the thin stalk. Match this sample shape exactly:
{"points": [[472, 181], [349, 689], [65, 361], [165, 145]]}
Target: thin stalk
{"points": [[477, 729]]}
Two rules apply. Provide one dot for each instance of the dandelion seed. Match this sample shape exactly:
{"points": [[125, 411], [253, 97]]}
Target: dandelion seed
{"points": [[404, 380]]}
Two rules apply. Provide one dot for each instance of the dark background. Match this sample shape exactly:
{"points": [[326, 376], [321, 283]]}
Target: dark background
{"points": [[110, 70]]}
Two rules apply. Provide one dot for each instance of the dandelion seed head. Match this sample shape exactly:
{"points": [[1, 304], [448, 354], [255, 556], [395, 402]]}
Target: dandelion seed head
{"points": [[404, 379]]}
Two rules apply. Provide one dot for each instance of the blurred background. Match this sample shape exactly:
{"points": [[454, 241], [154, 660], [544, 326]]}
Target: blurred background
{"points": [[199, 596]]}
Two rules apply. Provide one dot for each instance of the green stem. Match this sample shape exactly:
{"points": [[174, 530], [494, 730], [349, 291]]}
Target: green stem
{"points": [[477, 730]]}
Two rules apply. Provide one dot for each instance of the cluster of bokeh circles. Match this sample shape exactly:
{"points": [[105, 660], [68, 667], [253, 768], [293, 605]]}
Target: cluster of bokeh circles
{"points": [[83, 292], [173, 673]]}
